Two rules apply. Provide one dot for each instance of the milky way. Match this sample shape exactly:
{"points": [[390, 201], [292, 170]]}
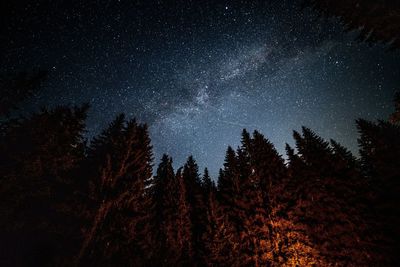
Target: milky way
{"points": [[198, 73]]}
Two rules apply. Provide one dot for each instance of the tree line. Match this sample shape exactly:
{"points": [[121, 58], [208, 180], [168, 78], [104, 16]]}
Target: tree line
{"points": [[65, 201]]}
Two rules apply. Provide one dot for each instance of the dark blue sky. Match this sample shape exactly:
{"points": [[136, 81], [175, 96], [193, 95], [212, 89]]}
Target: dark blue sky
{"points": [[199, 71]]}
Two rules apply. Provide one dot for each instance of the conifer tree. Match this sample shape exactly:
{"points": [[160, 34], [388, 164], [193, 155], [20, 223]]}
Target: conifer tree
{"points": [[170, 216], [121, 160], [380, 150], [228, 181], [207, 184], [197, 210], [184, 224], [291, 243], [218, 232], [325, 204], [265, 169], [228, 196]]}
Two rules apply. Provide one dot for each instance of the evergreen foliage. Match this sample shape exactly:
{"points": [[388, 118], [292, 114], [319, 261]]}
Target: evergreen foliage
{"points": [[376, 20], [67, 203]]}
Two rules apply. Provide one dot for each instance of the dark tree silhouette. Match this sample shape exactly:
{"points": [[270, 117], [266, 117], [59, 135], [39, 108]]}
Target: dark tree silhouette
{"points": [[218, 231], [327, 188], [39, 217], [64, 203], [380, 151], [377, 20], [171, 220], [197, 209], [207, 183], [228, 194], [120, 167]]}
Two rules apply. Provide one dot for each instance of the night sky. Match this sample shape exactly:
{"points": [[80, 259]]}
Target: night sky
{"points": [[198, 72]]}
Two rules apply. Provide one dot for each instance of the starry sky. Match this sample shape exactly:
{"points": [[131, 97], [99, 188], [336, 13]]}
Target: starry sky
{"points": [[198, 72]]}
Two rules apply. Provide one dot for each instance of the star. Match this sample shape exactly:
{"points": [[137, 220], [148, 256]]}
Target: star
{"points": [[197, 76]]}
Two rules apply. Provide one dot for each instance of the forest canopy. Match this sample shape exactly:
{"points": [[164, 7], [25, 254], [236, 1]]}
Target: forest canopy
{"points": [[67, 202]]}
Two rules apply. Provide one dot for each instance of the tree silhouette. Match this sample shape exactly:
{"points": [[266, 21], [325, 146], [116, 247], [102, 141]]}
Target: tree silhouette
{"points": [[39, 218], [121, 159], [171, 219], [328, 187], [218, 231], [380, 150], [378, 21], [197, 209], [65, 203]]}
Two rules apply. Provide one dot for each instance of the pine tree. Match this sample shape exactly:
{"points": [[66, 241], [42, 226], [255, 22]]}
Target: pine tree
{"points": [[380, 151], [291, 243], [325, 203], [228, 181], [265, 169], [184, 224], [218, 231], [170, 217], [206, 183], [196, 204], [229, 196], [121, 168]]}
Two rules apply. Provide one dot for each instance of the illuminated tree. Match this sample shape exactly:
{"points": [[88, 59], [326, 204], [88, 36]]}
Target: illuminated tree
{"points": [[326, 184]]}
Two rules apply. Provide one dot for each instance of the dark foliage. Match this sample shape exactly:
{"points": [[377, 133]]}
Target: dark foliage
{"points": [[376, 20], [66, 203]]}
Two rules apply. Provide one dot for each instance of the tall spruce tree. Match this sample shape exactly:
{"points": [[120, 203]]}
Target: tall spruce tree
{"points": [[120, 161], [380, 150], [291, 243], [170, 217], [265, 169], [229, 197], [197, 210], [206, 183], [218, 231], [325, 203], [184, 224]]}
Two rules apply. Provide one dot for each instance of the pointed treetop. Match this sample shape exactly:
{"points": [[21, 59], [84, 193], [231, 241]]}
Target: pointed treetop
{"points": [[289, 151], [191, 170], [207, 182]]}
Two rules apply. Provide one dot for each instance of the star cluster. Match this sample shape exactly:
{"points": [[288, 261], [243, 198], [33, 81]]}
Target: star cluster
{"points": [[197, 72]]}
